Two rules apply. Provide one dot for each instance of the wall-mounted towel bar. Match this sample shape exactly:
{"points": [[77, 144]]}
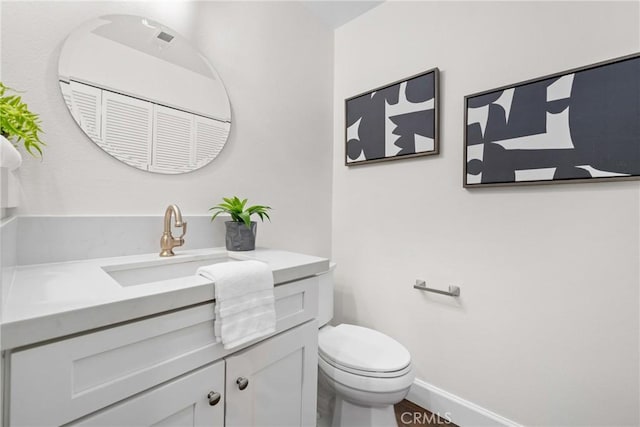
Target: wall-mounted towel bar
{"points": [[454, 291]]}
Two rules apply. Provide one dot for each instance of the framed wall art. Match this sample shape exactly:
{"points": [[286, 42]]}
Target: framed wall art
{"points": [[574, 126], [396, 121]]}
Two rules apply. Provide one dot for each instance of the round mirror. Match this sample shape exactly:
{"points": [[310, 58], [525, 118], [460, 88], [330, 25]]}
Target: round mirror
{"points": [[143, 94]]}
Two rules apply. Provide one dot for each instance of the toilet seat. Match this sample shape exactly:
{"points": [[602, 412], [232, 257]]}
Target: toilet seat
{"points": [[372, 374], [363, 351], [369, 384]]}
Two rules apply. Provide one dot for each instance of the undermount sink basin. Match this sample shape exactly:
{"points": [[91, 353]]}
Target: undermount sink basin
{"points": [[132, 274]]}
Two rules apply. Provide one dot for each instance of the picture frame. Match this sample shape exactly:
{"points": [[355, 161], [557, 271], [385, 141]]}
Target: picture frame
{"points": [[579, 125], [395, 121]]}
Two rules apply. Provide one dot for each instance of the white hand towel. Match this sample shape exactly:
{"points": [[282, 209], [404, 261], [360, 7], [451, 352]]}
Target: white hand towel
{"points": [[248, 329], [237, 278], [226, 308], [233, 326], [245, 305]]}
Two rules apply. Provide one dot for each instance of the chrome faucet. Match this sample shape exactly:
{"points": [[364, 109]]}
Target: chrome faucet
{"points": [[167, 241]]}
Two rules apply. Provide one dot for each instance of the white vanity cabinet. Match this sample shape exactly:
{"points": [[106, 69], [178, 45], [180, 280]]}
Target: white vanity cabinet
{"points": [[274, 382], [167, 369], [187, 401], [74, 377]]}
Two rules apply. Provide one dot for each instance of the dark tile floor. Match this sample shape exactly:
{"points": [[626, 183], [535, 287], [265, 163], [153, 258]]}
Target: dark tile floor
{"points": [[409, 414]]}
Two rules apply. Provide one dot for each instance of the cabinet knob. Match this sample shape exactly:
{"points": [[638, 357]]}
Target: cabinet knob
{"points": [[242, 383], [213, 397]]}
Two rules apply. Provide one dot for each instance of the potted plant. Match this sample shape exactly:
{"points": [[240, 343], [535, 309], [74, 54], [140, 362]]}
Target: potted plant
{"points": [[18, 123], [241, 231]]}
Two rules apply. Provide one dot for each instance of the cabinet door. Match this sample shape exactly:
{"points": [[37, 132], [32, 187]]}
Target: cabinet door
{"points": [[281, 374], [210, 135], [127, 129], [85, 104], [83, 374], [173, 148], [181, 402]]}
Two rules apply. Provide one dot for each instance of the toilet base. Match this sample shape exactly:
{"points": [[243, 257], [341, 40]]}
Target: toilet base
{"points": [[352, 415]]}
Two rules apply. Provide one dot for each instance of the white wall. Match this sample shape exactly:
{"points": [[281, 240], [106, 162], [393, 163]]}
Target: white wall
{"points": [[276, 62], [546, 330]]}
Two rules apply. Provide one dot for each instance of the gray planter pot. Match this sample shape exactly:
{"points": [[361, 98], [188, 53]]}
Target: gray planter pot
{"points": [[240, 237]]}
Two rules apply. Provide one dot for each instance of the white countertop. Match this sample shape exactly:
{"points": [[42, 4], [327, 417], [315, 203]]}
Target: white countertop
{"points": [[47, 301]]}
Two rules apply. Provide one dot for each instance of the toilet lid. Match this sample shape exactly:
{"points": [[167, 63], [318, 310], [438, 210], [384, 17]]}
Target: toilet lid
{"points": [[362, 349]]}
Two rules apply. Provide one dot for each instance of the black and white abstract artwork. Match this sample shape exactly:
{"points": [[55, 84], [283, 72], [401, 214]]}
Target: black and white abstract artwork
{"points": [[579, 125], [395, 121]]}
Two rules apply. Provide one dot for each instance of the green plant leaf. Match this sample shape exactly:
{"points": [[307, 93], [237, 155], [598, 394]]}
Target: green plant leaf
{"points": [[236, 207], [19, 124], [246, 218]]}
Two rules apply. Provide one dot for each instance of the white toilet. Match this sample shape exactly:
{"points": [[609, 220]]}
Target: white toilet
{"points": [[368, 371]]}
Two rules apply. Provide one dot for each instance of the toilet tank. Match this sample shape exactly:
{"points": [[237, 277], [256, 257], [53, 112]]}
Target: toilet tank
{"points": [[325, 296]]}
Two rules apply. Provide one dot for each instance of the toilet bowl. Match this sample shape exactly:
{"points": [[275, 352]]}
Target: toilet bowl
{"points": [[367, 371]]}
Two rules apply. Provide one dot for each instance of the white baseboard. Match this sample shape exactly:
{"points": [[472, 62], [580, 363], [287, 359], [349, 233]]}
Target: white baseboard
{"points": [[454, 408]]}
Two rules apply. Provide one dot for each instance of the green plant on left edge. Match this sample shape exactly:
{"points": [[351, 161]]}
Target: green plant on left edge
{"points": [[236, 208], [17, 123]]}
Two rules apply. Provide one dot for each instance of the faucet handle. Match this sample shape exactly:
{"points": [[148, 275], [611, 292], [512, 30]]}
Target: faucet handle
{"points": [[184, 229]]}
